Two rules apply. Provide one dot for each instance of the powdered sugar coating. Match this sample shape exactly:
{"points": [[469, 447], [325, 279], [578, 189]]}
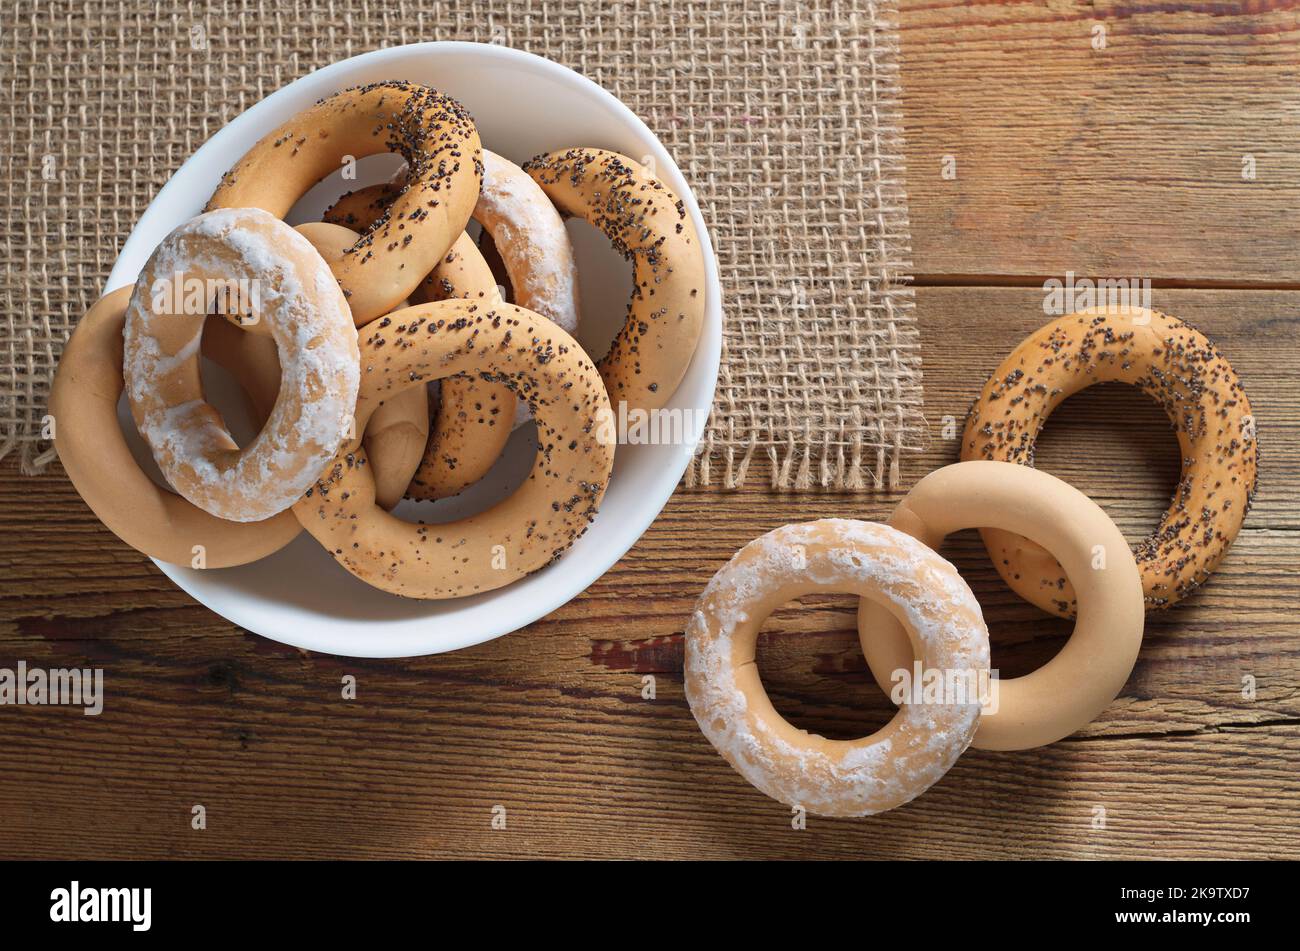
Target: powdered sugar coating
{"points": [[309, 319], [530, 235], [830, 777], [534, 246]]}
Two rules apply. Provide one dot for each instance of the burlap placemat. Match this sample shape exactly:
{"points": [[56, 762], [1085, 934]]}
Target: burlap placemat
{"points": [[783, 115]]}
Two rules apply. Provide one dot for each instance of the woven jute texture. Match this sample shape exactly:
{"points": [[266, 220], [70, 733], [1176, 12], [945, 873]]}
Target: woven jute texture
{"points": [[783, 116]]}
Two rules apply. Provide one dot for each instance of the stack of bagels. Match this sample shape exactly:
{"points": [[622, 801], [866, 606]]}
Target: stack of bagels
{"points": [[334, 330]]}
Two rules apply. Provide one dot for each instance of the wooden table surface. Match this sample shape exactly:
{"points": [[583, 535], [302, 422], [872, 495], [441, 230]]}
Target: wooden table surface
{"points": [[1126, 161]]}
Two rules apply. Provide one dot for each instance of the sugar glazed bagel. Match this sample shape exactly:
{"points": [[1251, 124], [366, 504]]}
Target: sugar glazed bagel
{"points": [[517, 536], [1180, 369], [834, 777], [650, 226], [535, 250], [95, 454], [530, 236], [1078, 683], [431, 131], [290, 289]]}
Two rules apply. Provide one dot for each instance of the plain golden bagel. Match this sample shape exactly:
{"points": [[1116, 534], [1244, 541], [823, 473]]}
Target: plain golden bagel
{"points": [[473, 418], [1189, 378], [398, 431], [99, 463], [886, 567], [1068, 691], [251, 357], [431, 131], [650, 226], [288, 286], [519, 535]]}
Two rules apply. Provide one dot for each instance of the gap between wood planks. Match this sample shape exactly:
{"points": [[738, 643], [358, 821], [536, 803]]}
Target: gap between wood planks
{"points": [[1207, 730], [1157, 283]]}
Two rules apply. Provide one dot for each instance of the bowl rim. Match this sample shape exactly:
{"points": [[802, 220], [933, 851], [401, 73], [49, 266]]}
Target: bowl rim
{"points": [[247, 613]]}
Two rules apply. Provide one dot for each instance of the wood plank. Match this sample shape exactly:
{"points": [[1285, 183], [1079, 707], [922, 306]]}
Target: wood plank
{"points": [[551, 724], [1125, 161]]}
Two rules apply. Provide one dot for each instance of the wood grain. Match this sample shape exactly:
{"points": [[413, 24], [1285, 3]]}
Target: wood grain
{"points": [[1124, 161], [550, 722]]}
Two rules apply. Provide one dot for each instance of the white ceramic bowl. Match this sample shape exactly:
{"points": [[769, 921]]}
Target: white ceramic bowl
{"points": [[523, 105]]}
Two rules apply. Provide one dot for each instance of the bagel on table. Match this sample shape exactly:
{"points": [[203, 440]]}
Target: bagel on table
{"points": [[1070, 690], [886, 567], [1178, 367]]}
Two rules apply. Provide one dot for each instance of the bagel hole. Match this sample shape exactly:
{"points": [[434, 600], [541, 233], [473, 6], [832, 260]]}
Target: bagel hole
{"points": [[1116, 445], [221, 391], [507, 474], [604, 288], [227, 397], [492, 257], [813, 671], [140, 450], [370, 170], [1022, 637]]}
